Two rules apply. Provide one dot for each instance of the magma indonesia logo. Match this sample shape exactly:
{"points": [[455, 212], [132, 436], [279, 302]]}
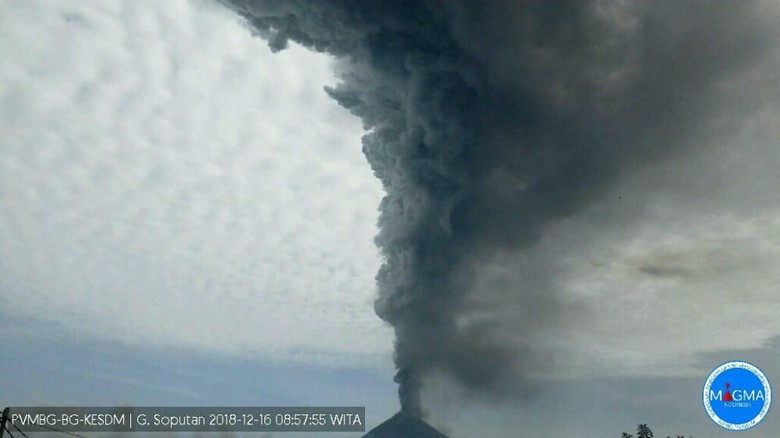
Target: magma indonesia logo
{"points": [[737, 395]]}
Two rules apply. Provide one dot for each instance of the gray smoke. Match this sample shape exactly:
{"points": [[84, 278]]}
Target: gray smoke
{"points": [[488, 120]]}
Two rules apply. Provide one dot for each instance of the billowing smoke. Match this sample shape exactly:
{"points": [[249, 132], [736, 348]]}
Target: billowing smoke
{"points": [[488, 120]]}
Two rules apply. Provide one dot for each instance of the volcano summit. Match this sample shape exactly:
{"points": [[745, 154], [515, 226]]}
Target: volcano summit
{"points": [[402, 425]]}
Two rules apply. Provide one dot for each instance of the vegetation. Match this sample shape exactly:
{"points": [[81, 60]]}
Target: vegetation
{"points": [[643, 431]]}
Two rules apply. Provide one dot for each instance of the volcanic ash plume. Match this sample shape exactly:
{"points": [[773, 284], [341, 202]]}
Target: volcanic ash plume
{"points": [[487, 120]]}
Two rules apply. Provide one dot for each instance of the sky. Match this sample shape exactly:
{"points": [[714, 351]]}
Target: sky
{"points": [[187, 218]]}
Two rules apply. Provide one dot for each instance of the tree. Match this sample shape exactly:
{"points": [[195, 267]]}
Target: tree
{"points": [[626, 435], [642, 431]]}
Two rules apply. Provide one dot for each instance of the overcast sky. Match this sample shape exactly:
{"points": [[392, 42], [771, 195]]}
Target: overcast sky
{"points": [[188, 218], [167, 185], [167, 181]]}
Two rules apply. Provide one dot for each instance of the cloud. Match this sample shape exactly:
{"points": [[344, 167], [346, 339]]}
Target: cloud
{"points": [[676, 263], [507, 135], [595, 187], [165, 182]]}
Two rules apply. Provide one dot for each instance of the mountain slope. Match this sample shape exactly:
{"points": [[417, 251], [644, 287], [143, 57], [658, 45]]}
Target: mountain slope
{"points": [[404, 426]]}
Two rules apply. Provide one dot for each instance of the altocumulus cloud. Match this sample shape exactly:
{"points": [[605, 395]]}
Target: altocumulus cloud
{"points": [[157, 162], [165, 183]]}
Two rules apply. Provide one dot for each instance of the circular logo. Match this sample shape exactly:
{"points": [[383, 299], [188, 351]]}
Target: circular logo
{"points": [[737, 395]]}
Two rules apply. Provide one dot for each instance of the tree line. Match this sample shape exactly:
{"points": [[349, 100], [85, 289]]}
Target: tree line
{"points": [[643, 431]]}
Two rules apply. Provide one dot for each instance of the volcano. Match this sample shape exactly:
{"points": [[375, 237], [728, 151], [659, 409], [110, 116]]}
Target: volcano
{"points": [[404, 426]]}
